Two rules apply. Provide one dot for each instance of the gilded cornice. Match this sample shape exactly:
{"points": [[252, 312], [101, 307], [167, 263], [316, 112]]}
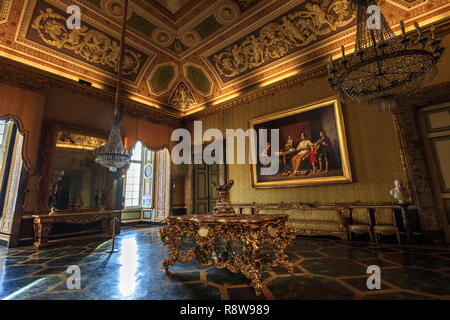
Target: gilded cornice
{"points": [[30, 78], [427, 96], [443, 30], [22, 78], [254, 95]]}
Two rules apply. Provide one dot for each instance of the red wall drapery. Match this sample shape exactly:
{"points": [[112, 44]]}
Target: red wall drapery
{"points": [[27, 109], [155, 136], [294, 130]]}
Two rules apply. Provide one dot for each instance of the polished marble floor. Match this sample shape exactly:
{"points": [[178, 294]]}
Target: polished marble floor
{"points": [[324, 269]]}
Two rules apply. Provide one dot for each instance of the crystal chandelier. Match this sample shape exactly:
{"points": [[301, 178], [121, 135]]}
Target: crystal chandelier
{"points": [[113, 154], [383, 65]]}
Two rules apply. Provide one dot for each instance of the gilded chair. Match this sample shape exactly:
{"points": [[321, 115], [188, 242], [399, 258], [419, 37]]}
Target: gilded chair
{"points": [[361, 223], [385, 223]]}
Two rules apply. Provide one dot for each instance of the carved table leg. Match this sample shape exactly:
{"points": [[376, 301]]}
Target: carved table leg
{"points": [[174, 242], [280, 244], [282, 261], [41, 231], [255, 257]]}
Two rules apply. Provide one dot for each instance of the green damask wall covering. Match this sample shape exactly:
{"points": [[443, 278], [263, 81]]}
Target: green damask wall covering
{"points": [[373, 150]]}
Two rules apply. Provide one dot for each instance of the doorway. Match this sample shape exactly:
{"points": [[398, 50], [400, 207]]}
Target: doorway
{"points": [[434, 123], [205, 196]]}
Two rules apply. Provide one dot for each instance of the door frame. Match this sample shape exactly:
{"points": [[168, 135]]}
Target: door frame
{"points": [[223, 176], [438, 195]]}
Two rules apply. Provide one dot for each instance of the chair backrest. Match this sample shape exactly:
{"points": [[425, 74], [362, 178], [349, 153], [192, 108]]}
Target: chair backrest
{"points": [[244, 210], [385, 216], [361, 216]]}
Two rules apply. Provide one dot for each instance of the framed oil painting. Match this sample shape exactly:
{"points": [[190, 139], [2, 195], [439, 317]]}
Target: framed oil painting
{"points": [[312, 146]]}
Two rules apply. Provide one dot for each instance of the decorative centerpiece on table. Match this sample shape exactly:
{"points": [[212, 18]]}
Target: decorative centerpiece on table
{"points": [[223, 206]]}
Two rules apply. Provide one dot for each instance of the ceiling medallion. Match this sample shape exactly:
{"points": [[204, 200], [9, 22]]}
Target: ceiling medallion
{"points": [[383, 65], [114, 8], [162, 37], [190, 38], [227, 13]]}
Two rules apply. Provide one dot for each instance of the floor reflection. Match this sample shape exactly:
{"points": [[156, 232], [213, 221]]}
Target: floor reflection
{"points": [[129, 264]]}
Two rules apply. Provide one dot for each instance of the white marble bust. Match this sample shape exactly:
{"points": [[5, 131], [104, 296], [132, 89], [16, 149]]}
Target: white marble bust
{"points": [[399, 192]]}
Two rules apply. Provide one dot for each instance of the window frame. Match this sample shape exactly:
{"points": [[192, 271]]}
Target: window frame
{"points": [[141, 180]]}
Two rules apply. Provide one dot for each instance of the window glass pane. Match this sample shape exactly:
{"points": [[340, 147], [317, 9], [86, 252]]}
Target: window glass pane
{"points": [[137, 152], [132, 184], [141, 157]]}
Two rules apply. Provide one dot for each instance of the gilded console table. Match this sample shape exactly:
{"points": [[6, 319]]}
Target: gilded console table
{"points": [[251, 230], [43, 225]]}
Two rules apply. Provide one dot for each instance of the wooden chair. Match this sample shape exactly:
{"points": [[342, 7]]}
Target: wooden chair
{"points": [[361, 223], [385, 223]]}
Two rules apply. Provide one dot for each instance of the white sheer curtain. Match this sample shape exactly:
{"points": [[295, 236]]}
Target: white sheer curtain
{"points": [[163, 185]]}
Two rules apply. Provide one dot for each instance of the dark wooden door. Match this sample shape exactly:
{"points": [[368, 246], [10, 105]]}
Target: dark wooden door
{"points": [[205, 196]]}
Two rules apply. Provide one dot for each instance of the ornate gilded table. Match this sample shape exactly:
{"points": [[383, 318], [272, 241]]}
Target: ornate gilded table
{"points": [[251, 230]]}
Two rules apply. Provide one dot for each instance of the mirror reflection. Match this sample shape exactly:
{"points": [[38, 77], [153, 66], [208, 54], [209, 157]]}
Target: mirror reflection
{"points": [[77, 179]]}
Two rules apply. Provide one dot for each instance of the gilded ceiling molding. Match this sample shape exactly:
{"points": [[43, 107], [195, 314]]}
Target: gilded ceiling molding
{"points": [[5, 7], [282, 36], [87, 52], [247, 98], [33, 79], [22, 78], [87, 43], [427, 96], [182, 98], [245, 4], [407, 4], [443, 29]]}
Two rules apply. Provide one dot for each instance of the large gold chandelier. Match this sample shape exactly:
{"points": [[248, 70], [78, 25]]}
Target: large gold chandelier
{"points": [[383, 65], [113, 154]]}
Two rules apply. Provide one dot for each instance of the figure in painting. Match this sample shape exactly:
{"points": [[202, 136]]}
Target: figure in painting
{"points": [[322, 147], [289, 143], [285, 156], [302, 154], [313, 157], [265, 155]]}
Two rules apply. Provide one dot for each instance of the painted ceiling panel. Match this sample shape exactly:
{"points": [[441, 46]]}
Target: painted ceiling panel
{"points": [[47, 27], [174, 5], [304, 25]]}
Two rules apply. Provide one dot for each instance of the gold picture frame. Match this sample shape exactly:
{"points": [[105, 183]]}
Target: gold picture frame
{"points": [[320, 124]]}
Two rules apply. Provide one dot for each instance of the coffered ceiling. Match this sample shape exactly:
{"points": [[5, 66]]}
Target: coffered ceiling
{"points": [[183, 56]]}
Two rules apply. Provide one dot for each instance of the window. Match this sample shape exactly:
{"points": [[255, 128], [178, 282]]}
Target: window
{"points": [[139, 178], [3, 138]]}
